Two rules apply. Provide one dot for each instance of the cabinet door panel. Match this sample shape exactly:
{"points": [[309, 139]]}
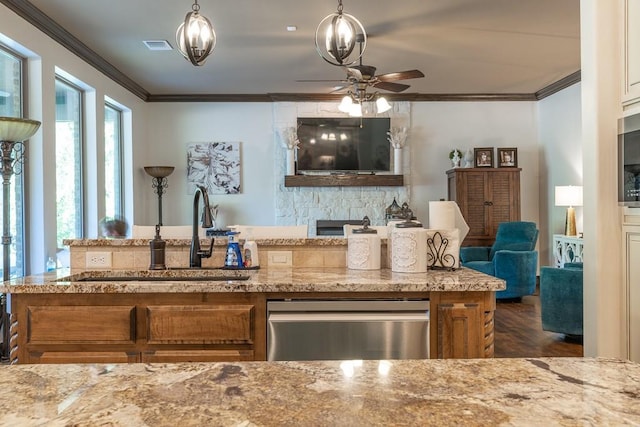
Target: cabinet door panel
{"points": [[200, 324], [461, 331], [632, 52], [633, 292], [476, 203], [177, 356], [80, 324], [83, 357]]}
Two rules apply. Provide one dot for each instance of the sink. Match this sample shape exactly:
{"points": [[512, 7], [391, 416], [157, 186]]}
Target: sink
{"points": [[161, 278], [170, 275]]}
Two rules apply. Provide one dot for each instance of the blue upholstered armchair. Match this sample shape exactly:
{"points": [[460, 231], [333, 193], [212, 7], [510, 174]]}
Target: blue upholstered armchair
{"points": [[512, 257], [561, 299]]}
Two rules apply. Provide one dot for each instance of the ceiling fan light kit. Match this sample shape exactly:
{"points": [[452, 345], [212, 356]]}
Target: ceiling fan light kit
{"points": [[195, 36], [336, 38]]}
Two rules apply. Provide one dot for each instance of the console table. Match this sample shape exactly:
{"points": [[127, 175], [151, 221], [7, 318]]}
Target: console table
{"points": [[567, 249]]}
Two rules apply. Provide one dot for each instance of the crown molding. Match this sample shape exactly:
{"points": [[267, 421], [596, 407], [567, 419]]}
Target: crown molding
{"points": [[38, 19], [555, 87], [48, 26]]}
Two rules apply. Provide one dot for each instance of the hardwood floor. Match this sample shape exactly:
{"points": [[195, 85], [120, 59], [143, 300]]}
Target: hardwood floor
{"points": [[518, 332]]}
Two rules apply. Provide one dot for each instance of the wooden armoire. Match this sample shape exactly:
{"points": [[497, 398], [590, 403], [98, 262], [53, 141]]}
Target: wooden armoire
{"points": [[487, 197]]}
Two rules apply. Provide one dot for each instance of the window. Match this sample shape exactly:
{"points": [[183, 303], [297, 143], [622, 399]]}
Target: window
{"points": [[113, 161], [69, 142], [11, 100]]}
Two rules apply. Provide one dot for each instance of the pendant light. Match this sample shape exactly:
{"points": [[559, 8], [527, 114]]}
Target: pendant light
{"points": [[336, 38], [195, 36]]}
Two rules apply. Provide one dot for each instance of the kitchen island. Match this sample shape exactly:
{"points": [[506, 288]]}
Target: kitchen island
{"points": [[180, 315], [482, 392]]}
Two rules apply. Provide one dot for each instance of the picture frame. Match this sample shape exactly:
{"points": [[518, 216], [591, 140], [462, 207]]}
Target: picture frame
{"points": [[507, 157], [483, 157]]}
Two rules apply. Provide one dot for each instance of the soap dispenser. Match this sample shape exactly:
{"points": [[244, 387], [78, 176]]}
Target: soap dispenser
{"points": [[233, 259], [250, 252]]}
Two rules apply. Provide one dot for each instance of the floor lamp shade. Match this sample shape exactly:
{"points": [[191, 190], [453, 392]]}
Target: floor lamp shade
{"points": [[570, 196]]}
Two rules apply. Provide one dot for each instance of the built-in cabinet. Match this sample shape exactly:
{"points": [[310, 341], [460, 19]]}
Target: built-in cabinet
{"points": [[631, 78], [487, 197], [631, 274], [207, 327], [127, 328]]}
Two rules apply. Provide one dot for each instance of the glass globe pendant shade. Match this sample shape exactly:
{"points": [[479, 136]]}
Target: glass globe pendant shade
{"points": [[196, 37], [336, 38]]}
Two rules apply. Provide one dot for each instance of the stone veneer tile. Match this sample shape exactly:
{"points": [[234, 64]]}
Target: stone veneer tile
{"points": [[78, 258], [122, 260], [335, 258], [141, 258], [308, 258]]}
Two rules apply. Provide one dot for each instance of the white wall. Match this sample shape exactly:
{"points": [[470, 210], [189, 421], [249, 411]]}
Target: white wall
{"points": [[44, 55], [172, 126], [560, 130], [439, 127]]}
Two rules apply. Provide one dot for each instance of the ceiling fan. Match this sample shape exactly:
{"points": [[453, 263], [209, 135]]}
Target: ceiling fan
{"points": [[361, 76]]}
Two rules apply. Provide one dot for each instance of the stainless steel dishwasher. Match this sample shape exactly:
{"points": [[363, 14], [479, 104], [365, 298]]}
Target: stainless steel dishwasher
{"points": [[347, 329]]}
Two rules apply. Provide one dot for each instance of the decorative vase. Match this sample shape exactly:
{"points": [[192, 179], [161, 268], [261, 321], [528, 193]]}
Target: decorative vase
{"points": [[291, 162], [397, 161]]}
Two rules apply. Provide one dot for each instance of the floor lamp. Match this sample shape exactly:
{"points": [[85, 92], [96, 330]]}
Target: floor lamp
{"points": [[12, 132], [570, 196]]}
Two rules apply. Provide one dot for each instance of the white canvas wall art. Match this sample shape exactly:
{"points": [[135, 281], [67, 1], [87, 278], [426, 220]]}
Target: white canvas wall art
{"points": [[214, 165]]}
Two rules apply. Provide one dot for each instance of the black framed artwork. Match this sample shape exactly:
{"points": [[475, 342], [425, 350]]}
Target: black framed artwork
{"points": [[507, 157], [484, 157]]}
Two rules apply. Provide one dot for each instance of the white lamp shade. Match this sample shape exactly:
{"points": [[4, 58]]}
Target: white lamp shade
{"points": [[355, 110], [13, 129], [568, 195], [382, 105], [345, 105]]}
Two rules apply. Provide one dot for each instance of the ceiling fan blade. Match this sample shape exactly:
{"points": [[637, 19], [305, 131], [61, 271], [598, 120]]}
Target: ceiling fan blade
{"points": [[400, 75], [390, 86], [332, 80]]}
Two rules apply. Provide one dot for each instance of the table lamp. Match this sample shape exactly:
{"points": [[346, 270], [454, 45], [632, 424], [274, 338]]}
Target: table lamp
{"points": [[570, 196]]}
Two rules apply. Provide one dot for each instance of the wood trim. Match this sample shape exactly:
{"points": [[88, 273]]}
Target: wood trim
{"points": [[343, 180], [563, 83], [51, 28]]}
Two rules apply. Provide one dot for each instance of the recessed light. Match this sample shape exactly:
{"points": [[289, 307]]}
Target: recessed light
{"points": [[292, 28], [157, 44]]}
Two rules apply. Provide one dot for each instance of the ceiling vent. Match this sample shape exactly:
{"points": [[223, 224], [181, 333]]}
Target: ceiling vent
{"points": [[157, 44]]}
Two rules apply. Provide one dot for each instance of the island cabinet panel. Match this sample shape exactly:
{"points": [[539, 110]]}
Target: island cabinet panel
{"points": [[197, 324], [83, 357], [128, 328], [175, 356], [462, 324], [81, 324]]}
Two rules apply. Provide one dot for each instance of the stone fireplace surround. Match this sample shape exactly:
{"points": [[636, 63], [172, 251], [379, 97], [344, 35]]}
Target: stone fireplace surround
{"points": [[307, 205]]}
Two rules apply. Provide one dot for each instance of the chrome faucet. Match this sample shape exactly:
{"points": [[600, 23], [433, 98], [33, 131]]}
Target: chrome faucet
{"points": [[196, 254]]}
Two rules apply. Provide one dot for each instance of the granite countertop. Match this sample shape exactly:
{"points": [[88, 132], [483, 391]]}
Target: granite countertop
{"points": [[263, 280], [546, 391], [219, 241]]}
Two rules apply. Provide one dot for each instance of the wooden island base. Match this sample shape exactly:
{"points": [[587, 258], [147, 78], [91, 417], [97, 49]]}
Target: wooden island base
{"points": [[207, 327]]}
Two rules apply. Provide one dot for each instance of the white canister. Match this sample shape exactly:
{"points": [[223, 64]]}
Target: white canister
{"points": [[409, 250], [363, 251]]}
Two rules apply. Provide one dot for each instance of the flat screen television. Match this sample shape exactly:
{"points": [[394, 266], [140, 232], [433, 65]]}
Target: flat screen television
{"points": [[343, 145], [629, 161]]}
